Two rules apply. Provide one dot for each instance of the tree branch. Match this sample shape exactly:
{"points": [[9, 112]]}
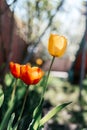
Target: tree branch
{"points": [[29, 56], [7, 7]]}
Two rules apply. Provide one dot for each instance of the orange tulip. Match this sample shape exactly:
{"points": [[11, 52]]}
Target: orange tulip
{"points": [[15, 69], [30, 75], [57, 45]]}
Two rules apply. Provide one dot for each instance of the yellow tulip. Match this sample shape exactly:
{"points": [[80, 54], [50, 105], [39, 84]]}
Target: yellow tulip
{"points": [[57, 45]]}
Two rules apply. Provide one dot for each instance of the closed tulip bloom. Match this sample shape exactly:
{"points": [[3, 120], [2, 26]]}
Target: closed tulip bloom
{"points": [[30, 75], [15, 69], [57, 45]]}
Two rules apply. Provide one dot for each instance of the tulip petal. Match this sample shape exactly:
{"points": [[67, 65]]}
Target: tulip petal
{"points": [[15, 69]]}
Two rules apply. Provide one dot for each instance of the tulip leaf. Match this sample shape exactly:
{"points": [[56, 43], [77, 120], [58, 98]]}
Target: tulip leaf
{"points": [[1, 97], [36, 117], [34, 125], [10, 122], [51, 113]]}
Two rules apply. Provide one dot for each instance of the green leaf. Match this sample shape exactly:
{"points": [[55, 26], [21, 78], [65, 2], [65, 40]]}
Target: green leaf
{"points": [[34, 125], [10, 122], [8, 113], [36, 117], [53, 112], [1, 97]]}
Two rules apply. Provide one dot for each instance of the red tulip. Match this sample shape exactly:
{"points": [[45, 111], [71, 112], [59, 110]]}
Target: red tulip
{"points": [[15, 69], [30, 75]]}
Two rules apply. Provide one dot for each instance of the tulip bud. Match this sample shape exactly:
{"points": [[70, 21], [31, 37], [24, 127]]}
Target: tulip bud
{"points": [[57, 45], [15, 69]]}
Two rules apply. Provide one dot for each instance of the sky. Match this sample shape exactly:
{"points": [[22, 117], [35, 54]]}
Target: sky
{"points": [[74, 24], [69, 5]]}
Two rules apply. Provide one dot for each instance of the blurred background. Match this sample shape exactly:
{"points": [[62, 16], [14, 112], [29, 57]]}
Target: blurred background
{"points": [[25, 26]]}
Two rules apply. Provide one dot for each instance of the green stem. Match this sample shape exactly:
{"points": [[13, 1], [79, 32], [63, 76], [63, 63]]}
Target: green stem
{"points": [[14, 90], [38, 110], [26, 94], [5, 120], [47, 77]]}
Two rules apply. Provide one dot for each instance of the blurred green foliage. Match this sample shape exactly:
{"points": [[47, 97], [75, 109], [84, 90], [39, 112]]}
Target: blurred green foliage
{"points": [[30, 105], [59, 91]]}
